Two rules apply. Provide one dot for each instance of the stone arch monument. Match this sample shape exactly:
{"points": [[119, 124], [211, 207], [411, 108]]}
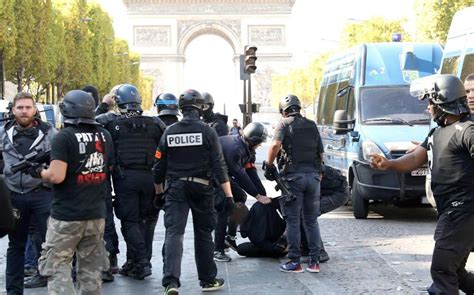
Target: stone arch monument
{"points": [[162, 29]]}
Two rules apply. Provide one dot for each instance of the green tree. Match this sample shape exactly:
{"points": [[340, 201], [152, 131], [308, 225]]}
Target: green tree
{"points": [[376, 29], [78, 47], [145, 86], [41, 72], [433, 18], [7, 37], [121, 65], [18, 63], [57, 56], [7, 29], [102, 38]]}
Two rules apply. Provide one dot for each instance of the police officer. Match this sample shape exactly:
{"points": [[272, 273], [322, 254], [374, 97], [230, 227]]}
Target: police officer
{"points": [[239, 154], [81, 156], [189, 153], [30, 196], [167, 108], [136, 138], [215, 120], [301, 143], [449, 151]]}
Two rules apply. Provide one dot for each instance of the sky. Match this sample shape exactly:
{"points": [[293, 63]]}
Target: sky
{"points": [[315, 27]]}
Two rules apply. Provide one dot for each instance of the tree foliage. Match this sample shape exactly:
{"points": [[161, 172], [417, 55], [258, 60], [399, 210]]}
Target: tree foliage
{"points": [[302, 82], [376, 29], [52, 46], [433, 18]]}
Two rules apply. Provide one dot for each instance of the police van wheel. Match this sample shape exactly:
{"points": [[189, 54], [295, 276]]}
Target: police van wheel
{"points": [[359, 205]]}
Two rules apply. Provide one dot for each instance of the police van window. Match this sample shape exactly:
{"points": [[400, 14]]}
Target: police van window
{"points": [[341, 102], [330, 103], [450, 65], [392, 105], [322, 95], [467, 66], [350, 106]]}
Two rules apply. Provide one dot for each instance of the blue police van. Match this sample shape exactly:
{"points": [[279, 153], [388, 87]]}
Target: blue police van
{"points": [[365, 107]]}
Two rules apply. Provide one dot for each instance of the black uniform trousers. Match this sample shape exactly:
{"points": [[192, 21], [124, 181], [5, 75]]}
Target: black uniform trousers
{"points": [[181, 196], [33, 207], [110, 233], [222, 217], [134, 190], [454, 241]]}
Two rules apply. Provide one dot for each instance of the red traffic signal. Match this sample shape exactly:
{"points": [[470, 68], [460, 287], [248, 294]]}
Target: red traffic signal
{"points": [[250, 59]]}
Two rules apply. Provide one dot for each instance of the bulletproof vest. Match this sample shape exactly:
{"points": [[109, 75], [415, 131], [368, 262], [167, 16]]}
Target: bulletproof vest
{"points": [[135, 140], [188, 150], [301, 145]]}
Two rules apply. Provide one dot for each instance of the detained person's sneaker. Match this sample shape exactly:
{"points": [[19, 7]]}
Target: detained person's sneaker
{"points": [[172, 289], [221, 256], [216, 285], [291, 266], [313, 267]]}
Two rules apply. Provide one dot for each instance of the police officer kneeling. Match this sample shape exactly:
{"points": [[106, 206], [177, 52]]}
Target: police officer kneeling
{"points": [[449, 151], [188, 155]]}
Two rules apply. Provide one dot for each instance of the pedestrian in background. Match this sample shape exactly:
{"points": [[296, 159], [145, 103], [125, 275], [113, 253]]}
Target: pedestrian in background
{"points": [[236, 129], [469, 85]]}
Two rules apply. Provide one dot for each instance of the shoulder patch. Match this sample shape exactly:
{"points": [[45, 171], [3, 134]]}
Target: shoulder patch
{"points": [[186, 139]]}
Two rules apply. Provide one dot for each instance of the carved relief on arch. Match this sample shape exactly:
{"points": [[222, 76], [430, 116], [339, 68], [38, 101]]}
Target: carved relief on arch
{"points": [[188, 30]]}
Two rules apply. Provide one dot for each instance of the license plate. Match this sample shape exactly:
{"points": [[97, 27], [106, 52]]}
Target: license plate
{"points": [[420, 172]]}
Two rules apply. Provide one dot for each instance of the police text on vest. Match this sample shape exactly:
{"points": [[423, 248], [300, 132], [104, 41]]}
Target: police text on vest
{"points": [[186, 139]]}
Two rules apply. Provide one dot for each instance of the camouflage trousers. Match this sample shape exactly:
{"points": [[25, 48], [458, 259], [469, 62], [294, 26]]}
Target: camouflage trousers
{"points": [[63, 239]]}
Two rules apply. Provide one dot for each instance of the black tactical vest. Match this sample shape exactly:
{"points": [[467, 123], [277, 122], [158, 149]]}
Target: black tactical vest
{"points": [[188, 150], [135, 141], [301, 146]]}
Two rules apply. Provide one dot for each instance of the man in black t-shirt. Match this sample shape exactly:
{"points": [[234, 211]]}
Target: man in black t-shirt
{"points": [[449, 152], [81, 157]]}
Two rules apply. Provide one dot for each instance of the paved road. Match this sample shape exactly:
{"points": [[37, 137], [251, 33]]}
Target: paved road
{"points": [[389, 253]]}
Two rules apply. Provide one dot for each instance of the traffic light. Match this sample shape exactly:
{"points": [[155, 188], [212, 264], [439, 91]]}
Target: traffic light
{"points": [[250, 59]]}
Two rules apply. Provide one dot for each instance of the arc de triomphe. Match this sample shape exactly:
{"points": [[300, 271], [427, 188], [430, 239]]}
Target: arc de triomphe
{"points": [[162, 29]]}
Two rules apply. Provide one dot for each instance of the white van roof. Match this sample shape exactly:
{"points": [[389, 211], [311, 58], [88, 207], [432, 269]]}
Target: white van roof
{"points": [[462, 22]]}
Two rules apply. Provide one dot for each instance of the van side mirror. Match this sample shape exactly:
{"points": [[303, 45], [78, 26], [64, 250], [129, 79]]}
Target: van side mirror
{"points": [[341, 123]]}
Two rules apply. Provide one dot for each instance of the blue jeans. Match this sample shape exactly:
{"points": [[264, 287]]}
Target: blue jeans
{"points": [[306, 207], [32, 206], [30, 253]]}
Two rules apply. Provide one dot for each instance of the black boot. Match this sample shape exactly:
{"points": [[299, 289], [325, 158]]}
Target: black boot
{"points": [[127, 268], [36, 281]]}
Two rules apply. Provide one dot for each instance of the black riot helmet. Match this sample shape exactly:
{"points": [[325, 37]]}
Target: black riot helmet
{"points": [[290, 104], [208, 99], [166, 104], [255, 133], [191, 98], [128, 98], [445, 92], [77, 107]]}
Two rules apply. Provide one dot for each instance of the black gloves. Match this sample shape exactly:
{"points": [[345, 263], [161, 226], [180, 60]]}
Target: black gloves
{"points": [[270, 171], [35, 171], [159, 201], [229, 205]]}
